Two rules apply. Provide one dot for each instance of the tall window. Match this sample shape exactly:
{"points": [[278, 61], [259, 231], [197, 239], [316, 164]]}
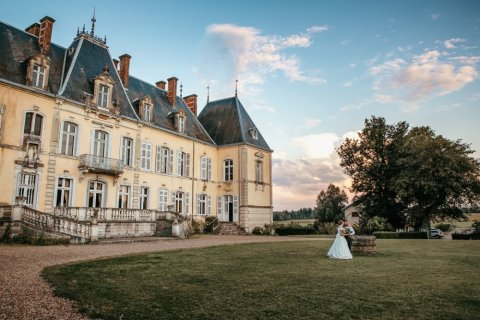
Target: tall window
{"points": [[146, 155], [27, 188], [228, 170], [126, 153], [204, 204], [147, 112], [33, 124], [183, 164], [96, 194], [205, 168], [123, 199], [64, 192], [181, 123], [259, 171], [102, 100], [69, 138], [181, 201], [163, 200], [144, 197], [164, 160], [38, 76], [100, 143]]}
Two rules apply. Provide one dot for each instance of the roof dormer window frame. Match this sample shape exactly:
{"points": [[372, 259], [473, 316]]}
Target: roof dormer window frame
{"points": [[146, 109], [102, 92], [253, 133], [38, 70], [180, 121]]}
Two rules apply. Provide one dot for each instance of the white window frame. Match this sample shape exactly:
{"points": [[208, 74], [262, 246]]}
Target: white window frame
{"points": [[96, 143], [181, 201], [181, 123], [146, 156], [228, 170], [38, 76], [259, 171], [103, 96], [95, 193], [67, 136], [147, 112], [124, 192], [164, 160], [62, 188], [204, 204], [126, 151], [205, 168], [33, 122], [144, 197], [183, 164], [27, 187], [163, 199]]}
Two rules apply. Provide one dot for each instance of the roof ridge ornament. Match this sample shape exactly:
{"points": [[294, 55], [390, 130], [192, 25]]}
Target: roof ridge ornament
{"points": [[92, 32], [208, 93], [236, 87]]}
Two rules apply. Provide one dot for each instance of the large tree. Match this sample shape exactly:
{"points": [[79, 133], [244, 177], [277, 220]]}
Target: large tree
{"points": [[330, 204], [371, 161]]}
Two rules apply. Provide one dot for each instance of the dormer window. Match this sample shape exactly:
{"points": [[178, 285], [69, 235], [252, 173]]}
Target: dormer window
{"points": [[145, 109], [103, 86], [180, 122], [37, 71], [254, 133]]}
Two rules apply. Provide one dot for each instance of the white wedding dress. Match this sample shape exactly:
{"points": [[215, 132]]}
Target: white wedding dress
{"points": [[339, 249]]}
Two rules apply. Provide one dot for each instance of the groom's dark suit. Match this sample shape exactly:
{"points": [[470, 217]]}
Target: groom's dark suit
{"points": [[348, 237]]}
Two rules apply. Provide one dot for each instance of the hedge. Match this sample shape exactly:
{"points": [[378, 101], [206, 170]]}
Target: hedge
{"points": [[295, 230], [466, 236], [400, 235]]}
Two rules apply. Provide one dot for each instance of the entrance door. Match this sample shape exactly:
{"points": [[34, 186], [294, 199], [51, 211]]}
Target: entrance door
{"points": [[228, 212]]}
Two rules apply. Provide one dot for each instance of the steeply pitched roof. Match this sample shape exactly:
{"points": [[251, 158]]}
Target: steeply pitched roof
{"points": [[16, 47], [227, 122], [162, 109]]}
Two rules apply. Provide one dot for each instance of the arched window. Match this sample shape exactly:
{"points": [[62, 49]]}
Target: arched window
{"points": [[100, 143], [69, 138]]}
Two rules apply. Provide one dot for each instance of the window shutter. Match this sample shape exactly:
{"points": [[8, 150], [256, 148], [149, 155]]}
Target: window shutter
{"points": [[187, 202], [235, 208], [179, 163], [187, 170], [219, 208], [209, 169], [209, 205], [159, 159], [170, 163], [148, 156], [198, 203], [202, 168], [173, 199]]}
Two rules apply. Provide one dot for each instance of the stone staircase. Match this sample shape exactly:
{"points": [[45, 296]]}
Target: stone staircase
{"points": [[228, 228]]}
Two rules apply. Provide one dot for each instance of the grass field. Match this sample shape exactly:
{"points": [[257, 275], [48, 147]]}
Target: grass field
{"points": [[406, 279]]}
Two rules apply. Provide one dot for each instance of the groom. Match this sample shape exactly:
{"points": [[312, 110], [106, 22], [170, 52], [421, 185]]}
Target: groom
{"points": [[350, 231]]}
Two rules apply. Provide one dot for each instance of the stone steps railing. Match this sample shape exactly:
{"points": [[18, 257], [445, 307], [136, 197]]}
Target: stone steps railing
{"points": [[108, 214]]}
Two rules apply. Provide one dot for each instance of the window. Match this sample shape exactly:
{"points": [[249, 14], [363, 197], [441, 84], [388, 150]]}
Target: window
{"points": [[33, 124], [126, 153], [27, 188], [253, 133], [64, 192], [123, 199], [147, 112], [183, 164], [258, 171], [146, 155], [69, 138], [181, 201], [143, 198], [228, 170], [38, 76], [181, 123], [96, 194], [100, 143], [164, 160], [163, 200], [204, 204], [227, 208], [205, 168], [102, 100]]}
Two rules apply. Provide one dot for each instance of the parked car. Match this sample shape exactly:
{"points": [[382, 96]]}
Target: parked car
{"points": [[436, 233]]}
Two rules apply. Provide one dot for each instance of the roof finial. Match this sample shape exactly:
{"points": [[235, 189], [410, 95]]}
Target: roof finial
{"points": [[208, 93], [92, 32], [236, 87], [181, 90]]}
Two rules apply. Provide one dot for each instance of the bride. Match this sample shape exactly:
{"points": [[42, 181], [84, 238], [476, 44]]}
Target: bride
{"points": [[339, 249]]}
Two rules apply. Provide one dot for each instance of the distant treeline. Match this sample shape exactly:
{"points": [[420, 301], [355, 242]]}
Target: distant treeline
{"points": [[301, 214]]}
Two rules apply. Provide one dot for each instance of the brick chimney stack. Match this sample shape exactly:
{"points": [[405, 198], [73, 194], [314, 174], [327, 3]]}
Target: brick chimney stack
{"points": [[191, 102], [115, 63], [45, 33], [34, 29], [172, 90], [124, 68], [161, 84]]}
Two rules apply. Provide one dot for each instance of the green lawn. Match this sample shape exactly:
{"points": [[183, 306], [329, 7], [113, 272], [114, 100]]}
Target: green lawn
{"points": [[407, 279]]}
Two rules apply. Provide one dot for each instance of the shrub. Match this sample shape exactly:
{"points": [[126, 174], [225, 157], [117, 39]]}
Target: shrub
{"points": [[269, 229], [294, 230], [386, 235], [325, 227], [197, 226], [399, 235], [444, 226], [476, 225], [210, 224], [461, 236], [258, 231]]}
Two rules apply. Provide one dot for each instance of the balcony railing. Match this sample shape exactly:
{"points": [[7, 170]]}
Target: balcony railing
{"points": [[99, 164]]}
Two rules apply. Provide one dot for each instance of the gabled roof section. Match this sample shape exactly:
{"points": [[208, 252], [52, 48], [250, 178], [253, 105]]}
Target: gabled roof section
{"points": [[162, 109], [16, 46], [227, 122], [88, 62]]}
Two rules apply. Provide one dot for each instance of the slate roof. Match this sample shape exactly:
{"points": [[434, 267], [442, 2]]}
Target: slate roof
{"points": [[227, 122]]}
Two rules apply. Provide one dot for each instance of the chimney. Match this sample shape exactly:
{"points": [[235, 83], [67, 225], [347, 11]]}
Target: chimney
{"points": [[172, 90], [191, 102], [45, 33], [161, 84], [124, 68], [115, 63], [34, 29]]}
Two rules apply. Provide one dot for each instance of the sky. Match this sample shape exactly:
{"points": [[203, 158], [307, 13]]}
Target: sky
{"points": [[309, 72]]}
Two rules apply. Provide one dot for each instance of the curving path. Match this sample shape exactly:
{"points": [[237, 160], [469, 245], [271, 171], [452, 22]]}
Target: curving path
{"points": [[24, 294]]}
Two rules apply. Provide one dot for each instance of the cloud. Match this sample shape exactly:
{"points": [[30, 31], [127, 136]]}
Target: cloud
{"points": [[320, 145], [435, 16], [310, 123], [450, 44], [347, 84], [428, 75], [247, 54]]}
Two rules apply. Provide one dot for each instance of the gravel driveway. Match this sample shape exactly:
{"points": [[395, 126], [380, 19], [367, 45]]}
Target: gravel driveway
{"points": [[24, 294]]}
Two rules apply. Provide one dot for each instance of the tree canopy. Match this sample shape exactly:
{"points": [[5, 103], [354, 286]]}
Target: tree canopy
{"points": [[330, 204], [409, 175]]}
